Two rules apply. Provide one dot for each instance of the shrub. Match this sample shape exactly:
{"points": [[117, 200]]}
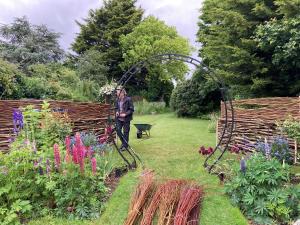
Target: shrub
{"points": [[20, 197], [291, 127], [278, 148], [213, 117], [195, 97], [10, 81], [263, 193], [144, 107]]}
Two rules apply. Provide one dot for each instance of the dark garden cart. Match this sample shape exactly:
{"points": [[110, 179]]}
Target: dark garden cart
{"points": [[142, 128]]}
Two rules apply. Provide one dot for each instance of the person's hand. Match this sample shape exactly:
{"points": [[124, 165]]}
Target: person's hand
{"points": [[123, 115]]}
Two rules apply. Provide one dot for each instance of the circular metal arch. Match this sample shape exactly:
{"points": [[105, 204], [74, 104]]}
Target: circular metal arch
{"points": [[226, 98]]}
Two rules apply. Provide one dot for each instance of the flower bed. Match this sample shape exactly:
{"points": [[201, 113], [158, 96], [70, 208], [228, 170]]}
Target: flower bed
{"points": [[262, 184], [49, 172]]}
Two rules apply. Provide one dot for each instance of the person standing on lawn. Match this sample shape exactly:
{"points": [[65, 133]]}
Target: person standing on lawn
{"points": [[124, 111]]}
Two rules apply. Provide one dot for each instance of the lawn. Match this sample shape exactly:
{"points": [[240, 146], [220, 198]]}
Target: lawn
{"points": [[172, 153]]}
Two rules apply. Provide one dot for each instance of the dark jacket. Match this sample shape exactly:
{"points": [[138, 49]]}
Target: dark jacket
{"points": [[127, 107]]}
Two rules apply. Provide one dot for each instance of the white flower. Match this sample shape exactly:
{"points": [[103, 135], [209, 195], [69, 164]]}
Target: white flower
{"points": [[107, 89]]}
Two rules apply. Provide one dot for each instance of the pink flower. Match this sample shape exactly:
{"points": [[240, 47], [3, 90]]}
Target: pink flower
{"points": [[210, 150], [108, 130], [81, 158], [94, 165], [57, 156], [205, 151], [78, 141], [103, 139], [68, 149], [75, 155]]}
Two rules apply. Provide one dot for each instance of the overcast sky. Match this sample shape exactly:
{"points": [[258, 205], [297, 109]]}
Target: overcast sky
{"points": [[60, 15]]}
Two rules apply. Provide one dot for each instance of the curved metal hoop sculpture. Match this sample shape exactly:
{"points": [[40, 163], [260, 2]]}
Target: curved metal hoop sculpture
{"points": [[227, 129]]}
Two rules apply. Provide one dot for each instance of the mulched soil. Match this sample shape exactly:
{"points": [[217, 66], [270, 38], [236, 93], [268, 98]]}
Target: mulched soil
{"points": [[113, 180]]}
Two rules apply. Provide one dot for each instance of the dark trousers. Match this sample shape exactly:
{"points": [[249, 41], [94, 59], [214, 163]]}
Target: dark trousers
{"points": [[123, 128]]}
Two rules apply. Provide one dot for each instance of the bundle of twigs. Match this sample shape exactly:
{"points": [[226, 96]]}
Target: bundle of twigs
{"points": [[169, 201], [194, 215], [140, 196], [150, 210], [187, 212]]}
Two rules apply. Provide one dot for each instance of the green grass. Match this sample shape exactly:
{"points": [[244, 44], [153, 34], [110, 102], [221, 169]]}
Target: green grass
{"points": [[172, 153]]}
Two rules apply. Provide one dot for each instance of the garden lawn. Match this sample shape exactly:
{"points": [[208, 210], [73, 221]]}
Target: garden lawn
{"points": [[172, 152]]}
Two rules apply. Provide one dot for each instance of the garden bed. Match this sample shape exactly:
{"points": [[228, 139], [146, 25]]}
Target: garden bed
{"points": [[49, 172]]}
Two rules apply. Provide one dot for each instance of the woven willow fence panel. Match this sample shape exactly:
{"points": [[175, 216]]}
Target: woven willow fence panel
{"points": [[84, 116], [255, 119]]}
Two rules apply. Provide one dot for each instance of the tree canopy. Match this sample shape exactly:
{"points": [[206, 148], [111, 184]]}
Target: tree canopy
{"points": [[154, 37], [238, 40], [26, 44], [91, 67], [102, 29]]}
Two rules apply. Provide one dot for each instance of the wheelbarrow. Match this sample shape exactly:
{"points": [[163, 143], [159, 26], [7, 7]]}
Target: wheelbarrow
{"points": [[142, 129]]}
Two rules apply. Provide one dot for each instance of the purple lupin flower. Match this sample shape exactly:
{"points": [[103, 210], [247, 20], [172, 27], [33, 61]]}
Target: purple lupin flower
{"points": [[41, 171], [48, 167], [17, 121], [243, 165]]}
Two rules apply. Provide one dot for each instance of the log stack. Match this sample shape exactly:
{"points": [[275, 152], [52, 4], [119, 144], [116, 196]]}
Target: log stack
{"points": [[84, 116], [255, 119]]}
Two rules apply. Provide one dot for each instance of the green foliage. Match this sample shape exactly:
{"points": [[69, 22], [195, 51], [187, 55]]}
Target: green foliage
{"points": [[154, 37], [55, 81], [263, 193], [291, 127], [20, 196], [44, 128], [103, 28], [144, 107], [279, 41], [25, 44], [91, 67], [213, 122], [195, 97], [77, 197], [249, 53], [10, 81], [155, 89]]}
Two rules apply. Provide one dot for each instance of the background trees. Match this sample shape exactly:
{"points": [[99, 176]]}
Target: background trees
{"points": [[238, 40], [26, 44], [152, 37], [102, 30]]}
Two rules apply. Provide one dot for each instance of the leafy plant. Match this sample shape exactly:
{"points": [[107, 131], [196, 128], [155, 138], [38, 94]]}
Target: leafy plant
{"points": [[213, 122], [43, 128], [77, 197], [20, 196], [263, 193], [291, 127]]}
